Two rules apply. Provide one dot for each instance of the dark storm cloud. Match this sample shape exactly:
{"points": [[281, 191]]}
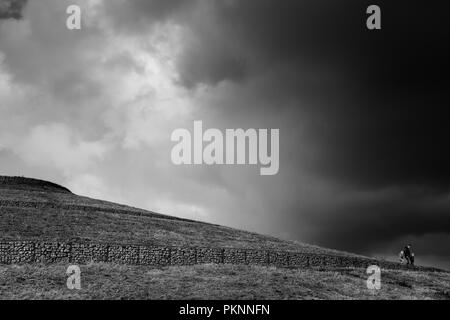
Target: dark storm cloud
{"points": [[11, 9], [383, 117], [383, 113]]}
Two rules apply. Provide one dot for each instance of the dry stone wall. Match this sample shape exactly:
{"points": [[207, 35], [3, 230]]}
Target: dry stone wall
{"points": [[22, 252]]}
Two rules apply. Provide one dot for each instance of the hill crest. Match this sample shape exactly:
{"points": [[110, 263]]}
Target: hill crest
{"points": [[23, 183]]}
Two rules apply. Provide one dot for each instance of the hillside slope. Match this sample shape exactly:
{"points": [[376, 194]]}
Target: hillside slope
{"points": [[33, 209]]}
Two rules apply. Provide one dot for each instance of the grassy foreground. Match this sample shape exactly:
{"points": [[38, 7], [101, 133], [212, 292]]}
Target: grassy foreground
{"points": [[106, 281]]}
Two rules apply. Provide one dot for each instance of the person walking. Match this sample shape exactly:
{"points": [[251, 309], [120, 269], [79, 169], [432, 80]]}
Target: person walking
{"points": [[408, 255]]}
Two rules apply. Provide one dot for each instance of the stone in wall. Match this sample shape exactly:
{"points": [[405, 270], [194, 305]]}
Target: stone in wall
{"points": [[5, 253], [299, 260], [210, 255], [234, 256], [52, 252], [89, 252], [183, 256], [257, 257], [16, 252], [332, 261], [23, 252], [123, 254], [279, 259], [154, 256], [315, 261]]}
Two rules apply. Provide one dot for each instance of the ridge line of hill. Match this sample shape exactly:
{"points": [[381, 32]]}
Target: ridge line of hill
{"points": [[30, 184]]}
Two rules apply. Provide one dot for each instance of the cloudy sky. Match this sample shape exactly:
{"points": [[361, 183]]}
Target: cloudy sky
{"points": [[363, 115]]}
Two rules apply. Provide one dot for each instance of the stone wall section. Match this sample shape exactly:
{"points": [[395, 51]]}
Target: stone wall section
{"points": [[22, 252]]}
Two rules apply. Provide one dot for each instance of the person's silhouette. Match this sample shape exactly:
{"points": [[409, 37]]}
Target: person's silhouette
{"points": [[408, 254]]}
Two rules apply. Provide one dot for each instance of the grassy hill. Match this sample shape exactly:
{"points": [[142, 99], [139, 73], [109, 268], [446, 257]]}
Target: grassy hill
{"points": [[37, 210], [45, 211]]}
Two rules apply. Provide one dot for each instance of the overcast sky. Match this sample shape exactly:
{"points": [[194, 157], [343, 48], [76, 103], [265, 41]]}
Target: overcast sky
{"points": [[363, 115]]}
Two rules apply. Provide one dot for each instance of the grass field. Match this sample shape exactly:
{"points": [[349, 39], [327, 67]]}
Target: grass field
{"points": [[106, 281]]}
